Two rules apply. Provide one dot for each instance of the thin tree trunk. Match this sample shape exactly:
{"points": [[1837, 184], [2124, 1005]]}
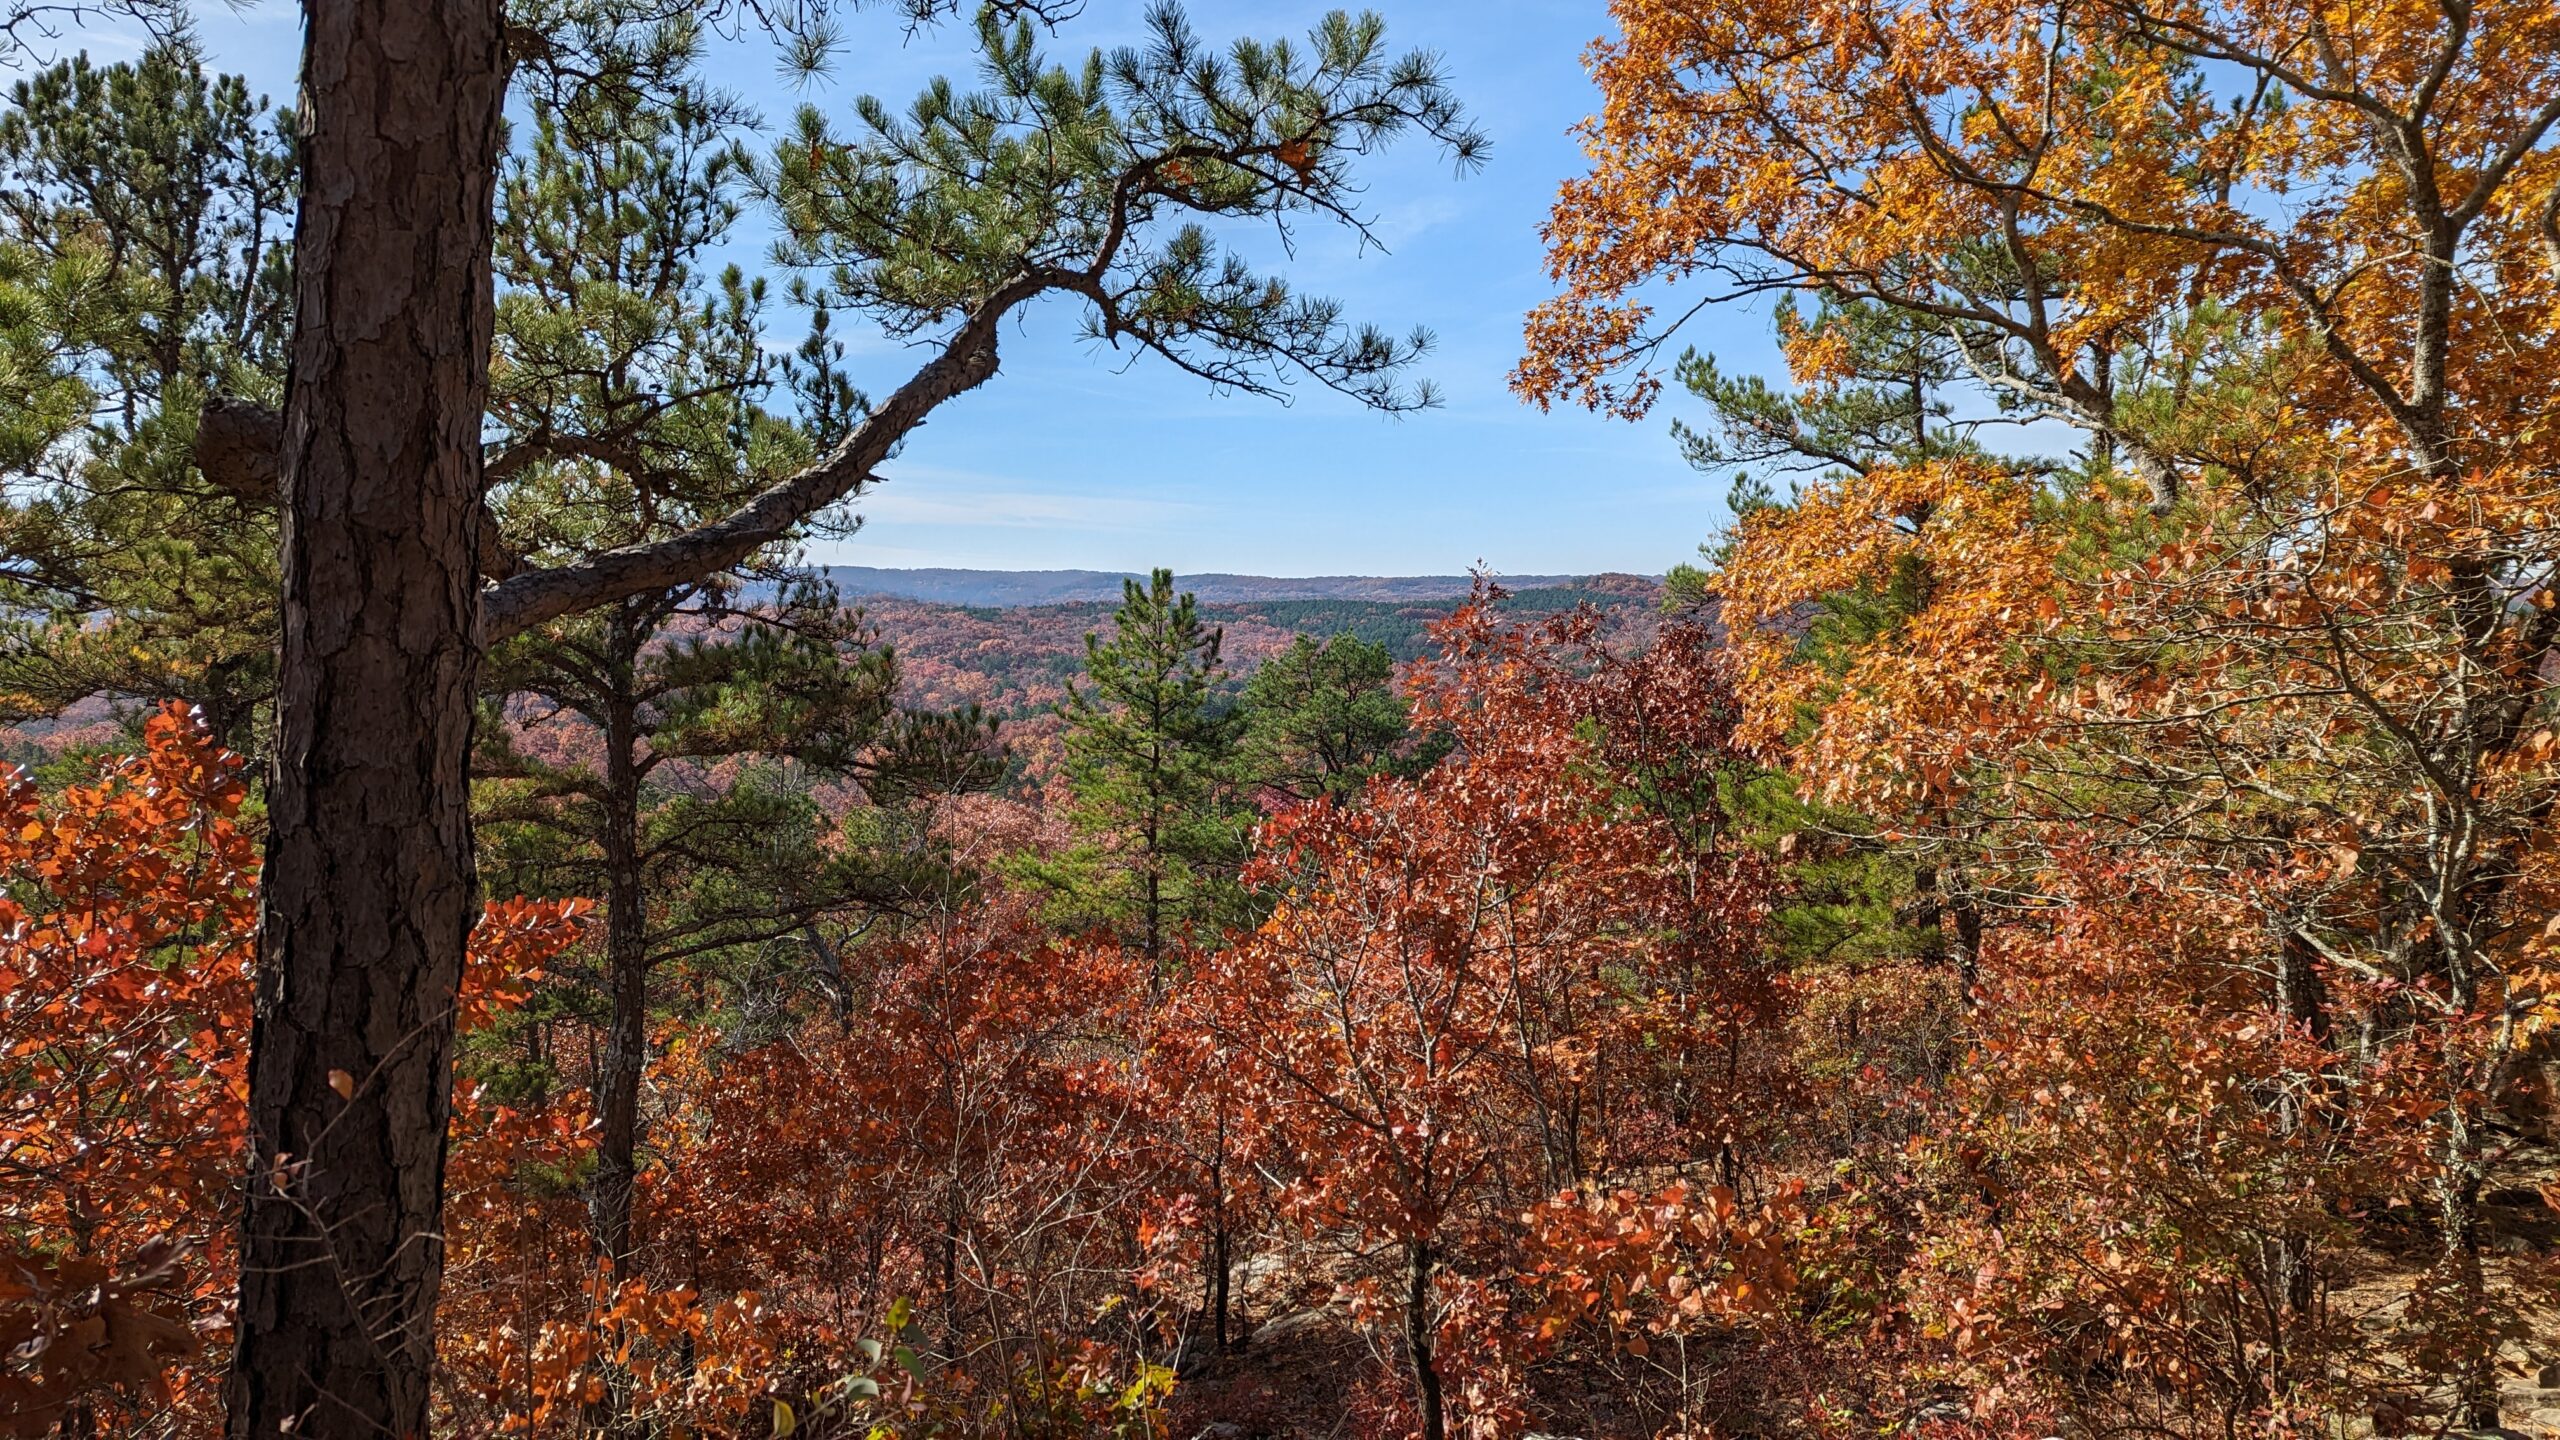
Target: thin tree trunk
{"points": [[1418, 1267], [611, 1193], [609, 1200], [1221, 1273], [1966, 911], [2294, 1283], [1155, 907], [368, 895], [2464, 1169], [2458, 1189], [1221, 1257]]}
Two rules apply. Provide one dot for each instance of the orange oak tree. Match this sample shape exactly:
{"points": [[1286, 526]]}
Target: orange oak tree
{"points": [[1475, 981], [2285, 627]]}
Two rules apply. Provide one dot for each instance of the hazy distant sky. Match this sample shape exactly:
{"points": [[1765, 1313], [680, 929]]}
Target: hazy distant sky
{"points": [[1075, 457]]}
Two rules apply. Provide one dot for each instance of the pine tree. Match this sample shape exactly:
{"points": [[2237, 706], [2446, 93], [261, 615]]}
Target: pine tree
{"points": [[1150, 752], [675, 776], [1884, 402], [142, 276], [1321, 717], [633, 397]]}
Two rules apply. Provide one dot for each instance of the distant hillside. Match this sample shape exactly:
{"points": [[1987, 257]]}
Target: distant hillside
{"points": [[1015, 660], [1069, 587]]}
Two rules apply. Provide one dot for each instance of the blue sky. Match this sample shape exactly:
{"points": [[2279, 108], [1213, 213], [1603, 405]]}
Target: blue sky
{"points": [[1074, 458]]}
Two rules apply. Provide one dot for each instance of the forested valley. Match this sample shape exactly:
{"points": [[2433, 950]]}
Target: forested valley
{"points": [[2047, 926]]}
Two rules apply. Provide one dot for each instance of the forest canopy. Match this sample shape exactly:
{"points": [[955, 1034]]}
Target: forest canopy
{"points": [[2046, 929]]}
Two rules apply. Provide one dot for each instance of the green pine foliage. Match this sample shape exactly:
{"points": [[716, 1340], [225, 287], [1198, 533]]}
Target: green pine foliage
{"points": [[1321, 717], [675, 753], [633, 393], [143, 271], [43, 321], [1150, 766], [1855, 899], [1097, 182]]}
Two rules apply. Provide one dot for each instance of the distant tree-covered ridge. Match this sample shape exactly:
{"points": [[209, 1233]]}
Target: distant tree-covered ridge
{"points": [[1015, 660], [1067, 587]]}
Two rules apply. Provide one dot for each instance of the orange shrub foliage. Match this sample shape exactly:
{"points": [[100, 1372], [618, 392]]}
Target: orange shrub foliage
{"points": [[124, 1010], [1532, 965], [125, 996], [945, 1168]]}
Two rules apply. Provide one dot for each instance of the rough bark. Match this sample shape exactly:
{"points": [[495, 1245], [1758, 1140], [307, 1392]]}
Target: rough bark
{"points": [[368, 897], [369, 890], [239, 450]]}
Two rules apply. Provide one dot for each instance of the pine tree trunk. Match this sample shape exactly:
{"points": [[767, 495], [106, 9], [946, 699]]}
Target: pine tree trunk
{"points": [[368, 897], [626, 1047], [1155, 908], [612, 1191]]}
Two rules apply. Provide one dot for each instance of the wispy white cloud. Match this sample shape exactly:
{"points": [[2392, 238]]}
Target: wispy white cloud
{"points": [[919, 495]]}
